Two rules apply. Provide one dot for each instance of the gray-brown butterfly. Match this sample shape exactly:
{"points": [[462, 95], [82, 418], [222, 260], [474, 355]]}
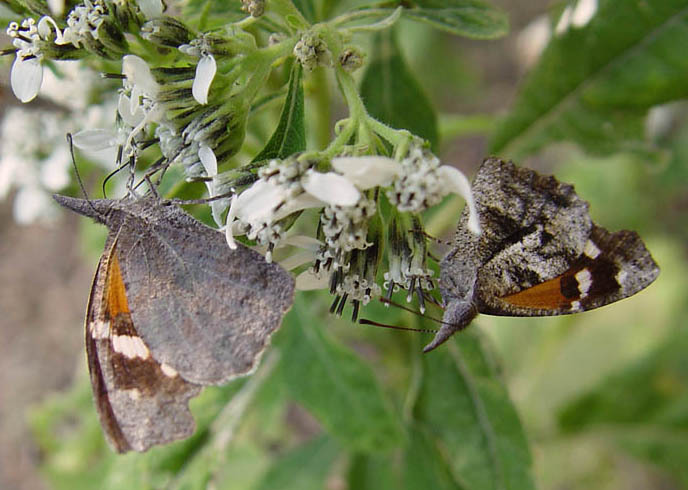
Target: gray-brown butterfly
{"points": [[172, 308], [539, 253]]}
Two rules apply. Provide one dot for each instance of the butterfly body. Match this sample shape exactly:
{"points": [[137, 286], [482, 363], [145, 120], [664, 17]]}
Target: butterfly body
{"points": [[172, 308], [539, 253]]}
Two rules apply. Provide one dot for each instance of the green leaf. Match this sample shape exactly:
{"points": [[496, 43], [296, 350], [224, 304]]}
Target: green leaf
{"points": [[469, 18], [335, 385], [467, 411], [290, 135], [304, 468], [594, 85], [307, 9], [391, 93], [643, 408], [424, 466], [374, 472]]}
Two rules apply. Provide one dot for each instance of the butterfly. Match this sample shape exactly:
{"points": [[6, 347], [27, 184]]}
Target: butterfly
{"points": [[539, 253], [172, 308]]}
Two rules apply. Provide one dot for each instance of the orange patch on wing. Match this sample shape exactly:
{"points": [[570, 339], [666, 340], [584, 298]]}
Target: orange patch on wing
{"points": [[116, 296], [544, 296]]}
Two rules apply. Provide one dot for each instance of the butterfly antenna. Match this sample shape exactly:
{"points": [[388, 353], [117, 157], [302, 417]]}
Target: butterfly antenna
{"points": [[116, 171], [70, 140], [205, 200], [387, 301], [364, 321]]}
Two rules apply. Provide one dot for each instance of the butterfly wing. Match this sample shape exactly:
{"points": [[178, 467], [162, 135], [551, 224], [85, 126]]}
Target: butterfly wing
{"points": [[614, 266], [140, 401], [541, 254], [204, 309]]}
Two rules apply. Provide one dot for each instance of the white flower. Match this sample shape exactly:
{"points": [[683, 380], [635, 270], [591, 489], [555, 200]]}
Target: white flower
{"points": [[27, 70], [83, 22], [205, 69], [259, 207], [139, 78], [284, 188], [423, 183], [151, 8]]}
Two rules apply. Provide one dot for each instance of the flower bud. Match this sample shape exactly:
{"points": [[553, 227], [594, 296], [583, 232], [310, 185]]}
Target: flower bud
{"points": [[311, 51], [351, 59], [166, 31]]}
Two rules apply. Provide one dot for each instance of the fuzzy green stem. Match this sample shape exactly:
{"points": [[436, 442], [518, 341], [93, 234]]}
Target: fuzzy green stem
{"points": [[323, 114], [342, 139]]}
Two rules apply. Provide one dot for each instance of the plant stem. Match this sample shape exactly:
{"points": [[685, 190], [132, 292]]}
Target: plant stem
{"points": [[323, 114]]}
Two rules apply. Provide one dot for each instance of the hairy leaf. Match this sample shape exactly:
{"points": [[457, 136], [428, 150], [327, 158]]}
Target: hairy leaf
{"points": [[303, 468], [290, 135], [336, 386], [469, 18], [391, 93], [467, 410]]}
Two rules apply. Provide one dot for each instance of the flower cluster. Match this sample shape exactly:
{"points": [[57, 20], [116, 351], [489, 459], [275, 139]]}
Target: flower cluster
{"points": [[344, 218], [350, 231]]}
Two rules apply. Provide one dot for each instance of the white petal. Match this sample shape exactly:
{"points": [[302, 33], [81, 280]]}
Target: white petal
{"points": [[367, 172], [216, 207], [151, 8], [258, 202], [205, 72], [208, 159], [457, 183], [297, 259], [229, 233], [129, 110], [138, 73], [331, 188], [56, 7], [294, 204], [303, 241], [95, 139], [26, 78], [307, 281]]}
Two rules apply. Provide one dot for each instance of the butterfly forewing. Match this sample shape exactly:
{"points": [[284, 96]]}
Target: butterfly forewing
{"points": [[220, 305]]}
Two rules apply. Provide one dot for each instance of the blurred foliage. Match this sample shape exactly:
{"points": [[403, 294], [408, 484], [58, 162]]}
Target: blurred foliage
{"points": [[603, 396]]}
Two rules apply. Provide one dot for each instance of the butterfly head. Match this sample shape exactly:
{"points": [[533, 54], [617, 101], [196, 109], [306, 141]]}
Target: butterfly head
{"points": [[98, 209], [459, 313]]}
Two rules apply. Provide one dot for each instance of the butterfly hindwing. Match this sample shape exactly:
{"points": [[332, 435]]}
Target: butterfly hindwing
{"points": [[141, 402], [613, 266]]}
